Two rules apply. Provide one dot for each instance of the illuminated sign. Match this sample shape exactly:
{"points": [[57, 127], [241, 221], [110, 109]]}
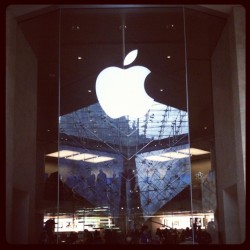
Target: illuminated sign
{"points": [[121, 92]]}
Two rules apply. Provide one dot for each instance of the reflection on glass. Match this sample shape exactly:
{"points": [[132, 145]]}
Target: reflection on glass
{"points": [[126, 135], [160, 181], [155, 179], [97, 181]]}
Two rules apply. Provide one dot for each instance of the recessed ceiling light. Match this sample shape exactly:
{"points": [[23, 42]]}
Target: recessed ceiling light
{"points": [[169, 26], [63, 153], [168, 57], [79, 58], [79, 157], [193, 151], [161, 90], [99, 159], [89, 90], [174, 155], [75, 27], [122, 27], [157, 158]]}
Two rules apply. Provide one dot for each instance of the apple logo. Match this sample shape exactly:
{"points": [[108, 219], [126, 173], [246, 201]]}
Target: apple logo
{"points": [[121, 92]]}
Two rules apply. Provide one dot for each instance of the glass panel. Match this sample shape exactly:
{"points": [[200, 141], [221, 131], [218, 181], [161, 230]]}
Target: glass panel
{"points": [[123, 154], [202, 33], [113, 171]]}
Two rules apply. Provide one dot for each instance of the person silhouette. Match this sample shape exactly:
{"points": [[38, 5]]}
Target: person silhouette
{"points": [[48, 236], [101, 178], [144, 235], [101, 187]]}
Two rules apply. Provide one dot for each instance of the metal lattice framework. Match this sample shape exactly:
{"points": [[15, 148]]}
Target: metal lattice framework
{"points": [[160, 181], [124, 135], [132, 141]]}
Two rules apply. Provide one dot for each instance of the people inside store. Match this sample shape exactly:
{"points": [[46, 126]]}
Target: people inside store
{"points": [[144, 235], [87, 237], [48, 236], [202, 236], [72, 239]]}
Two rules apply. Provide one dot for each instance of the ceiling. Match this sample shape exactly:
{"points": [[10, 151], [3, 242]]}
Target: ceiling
{"points": [[23, 9], [96, 36], [225, 8]]}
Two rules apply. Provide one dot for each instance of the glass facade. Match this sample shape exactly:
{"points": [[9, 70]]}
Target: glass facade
{"points": [[118, 121]]}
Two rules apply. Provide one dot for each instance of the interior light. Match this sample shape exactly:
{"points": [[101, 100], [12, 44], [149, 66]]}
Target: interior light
{"points": [[99, 159], [194, 151], [169, 26], [174, 155], [75, 27], [157, 158], [81, 157], [168, 57], [100, 209], [79, 58], [63, 153]]}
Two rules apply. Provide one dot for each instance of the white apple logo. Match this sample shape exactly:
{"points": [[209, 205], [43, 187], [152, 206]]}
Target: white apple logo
{"points": [[121, 92]]}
